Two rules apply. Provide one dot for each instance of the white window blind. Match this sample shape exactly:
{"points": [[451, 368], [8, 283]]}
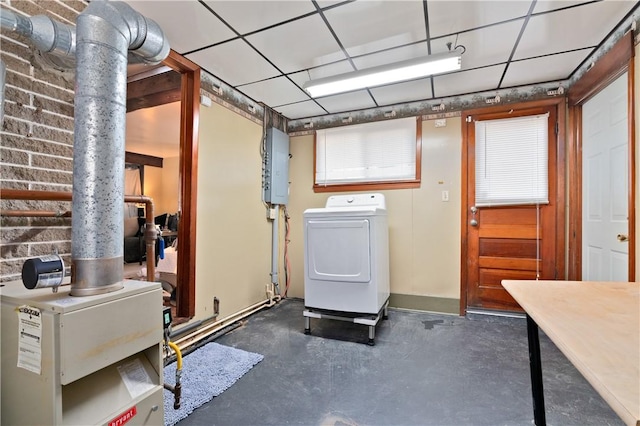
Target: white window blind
{"points": [[371, 152], [512, 161]]}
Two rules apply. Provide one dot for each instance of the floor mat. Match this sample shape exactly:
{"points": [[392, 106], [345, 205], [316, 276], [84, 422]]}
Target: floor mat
{"points": [[206, 373]]}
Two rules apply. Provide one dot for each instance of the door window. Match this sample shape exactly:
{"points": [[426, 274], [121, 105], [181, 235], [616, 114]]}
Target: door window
{"points": [[512, 161]]}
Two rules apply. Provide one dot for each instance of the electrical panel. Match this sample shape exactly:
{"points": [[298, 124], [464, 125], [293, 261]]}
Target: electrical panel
{"points": [[276, 167]]}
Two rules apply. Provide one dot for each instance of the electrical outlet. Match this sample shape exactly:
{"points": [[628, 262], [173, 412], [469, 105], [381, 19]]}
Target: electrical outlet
{"points": [[445, 195], [272, 214]]}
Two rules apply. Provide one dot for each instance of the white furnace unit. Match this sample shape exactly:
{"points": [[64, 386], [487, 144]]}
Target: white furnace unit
{"points": [[346, 262], [82, 360]]}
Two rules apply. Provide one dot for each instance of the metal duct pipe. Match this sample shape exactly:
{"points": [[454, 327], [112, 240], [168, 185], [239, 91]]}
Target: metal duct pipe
{"points": [[48, 36], [104, 34]]}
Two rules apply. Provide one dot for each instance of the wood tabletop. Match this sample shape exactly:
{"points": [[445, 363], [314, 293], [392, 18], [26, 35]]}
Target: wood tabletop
{"points": [[597, 327]]}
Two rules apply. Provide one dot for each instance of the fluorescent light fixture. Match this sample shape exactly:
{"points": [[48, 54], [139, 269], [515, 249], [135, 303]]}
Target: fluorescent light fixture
{"points": [[384, 74]]}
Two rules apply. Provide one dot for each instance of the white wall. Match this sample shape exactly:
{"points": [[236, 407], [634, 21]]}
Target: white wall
{"points": [[233, 241], [163, 185]]}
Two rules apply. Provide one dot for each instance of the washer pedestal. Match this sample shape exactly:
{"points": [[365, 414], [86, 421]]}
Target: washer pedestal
{"points": [[369, 320]]}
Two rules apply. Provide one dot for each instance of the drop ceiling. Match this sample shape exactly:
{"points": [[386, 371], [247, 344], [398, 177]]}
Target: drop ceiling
{"points": [[268, 49]]}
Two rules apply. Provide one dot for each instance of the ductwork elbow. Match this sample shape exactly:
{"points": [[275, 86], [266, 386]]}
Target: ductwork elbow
{"points": [[155, 47], [145, 37]]}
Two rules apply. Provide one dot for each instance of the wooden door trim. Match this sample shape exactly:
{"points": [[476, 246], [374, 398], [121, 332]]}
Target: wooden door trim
{"points": [[189, 122], [560, 241], [613, 64]]}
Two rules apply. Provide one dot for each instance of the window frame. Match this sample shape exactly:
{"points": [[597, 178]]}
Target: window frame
{"points": [[377, 185]]}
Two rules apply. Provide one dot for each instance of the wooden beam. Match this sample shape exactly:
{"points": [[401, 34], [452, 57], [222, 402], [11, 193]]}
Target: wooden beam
{"points": [[153, 91], [145, 160]]}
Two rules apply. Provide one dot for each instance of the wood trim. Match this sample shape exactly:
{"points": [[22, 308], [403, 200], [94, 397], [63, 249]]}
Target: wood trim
{"points": [[370, 186], [418, 151], [464, 214], [516, 110], [142, 159], [374, 186], [607, 69], [189, 123], [575, 195], [632, 170], [561, 188]]}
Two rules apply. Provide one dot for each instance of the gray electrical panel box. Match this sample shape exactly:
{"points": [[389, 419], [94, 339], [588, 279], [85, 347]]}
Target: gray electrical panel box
{"points": [[276, 167]]}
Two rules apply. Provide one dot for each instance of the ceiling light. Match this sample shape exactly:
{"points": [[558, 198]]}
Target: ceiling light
{"points": [[384, 74]]}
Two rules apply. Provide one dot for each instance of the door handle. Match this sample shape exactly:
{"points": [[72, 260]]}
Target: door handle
{"points": [[473, 221], [622, 238]]}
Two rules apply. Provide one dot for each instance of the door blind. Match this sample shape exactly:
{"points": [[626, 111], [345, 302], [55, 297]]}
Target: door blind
{"points": [[512, 161]]}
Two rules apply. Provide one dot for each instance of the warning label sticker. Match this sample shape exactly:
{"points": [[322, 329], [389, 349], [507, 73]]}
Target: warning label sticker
{"points": [[30, 338]]}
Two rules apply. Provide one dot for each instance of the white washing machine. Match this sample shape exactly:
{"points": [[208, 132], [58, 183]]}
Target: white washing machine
{"points": [[346, 262]]}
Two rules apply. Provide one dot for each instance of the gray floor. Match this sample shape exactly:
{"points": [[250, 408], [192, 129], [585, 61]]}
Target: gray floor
{"points": [[425, 369]]}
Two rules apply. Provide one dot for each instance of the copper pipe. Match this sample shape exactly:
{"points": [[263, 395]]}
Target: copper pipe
{"points": [[21, 194], [150, 235], [33, 213]]}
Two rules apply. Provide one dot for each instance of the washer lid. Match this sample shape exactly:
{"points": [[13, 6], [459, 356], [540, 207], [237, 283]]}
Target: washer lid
{"points": [[345, 211]]}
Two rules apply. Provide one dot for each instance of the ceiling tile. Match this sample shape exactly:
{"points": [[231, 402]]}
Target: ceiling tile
{"points": [[569, 29], [298, 45], [546, 68], [320, 72], [347, 101], [234, 62], [247, 16], [300, 110], [326, 3], [487, 46], [274, 91], [470, 81], [174, 17], [369, 26], [548, 5], [392, 55], [449, 17], [402, 92]]}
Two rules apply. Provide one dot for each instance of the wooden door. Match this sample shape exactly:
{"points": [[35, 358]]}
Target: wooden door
{"points": [[605, 159], [507, 242]]}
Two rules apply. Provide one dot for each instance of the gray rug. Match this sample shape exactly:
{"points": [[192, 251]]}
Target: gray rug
{"points": [[206, 373]]}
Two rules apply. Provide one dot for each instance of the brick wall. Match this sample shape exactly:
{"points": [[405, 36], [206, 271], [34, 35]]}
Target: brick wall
{"points": [[36, 147]]}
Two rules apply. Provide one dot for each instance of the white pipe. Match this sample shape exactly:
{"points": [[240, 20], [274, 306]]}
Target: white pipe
{"points": [[275, 239], [208, 330]]}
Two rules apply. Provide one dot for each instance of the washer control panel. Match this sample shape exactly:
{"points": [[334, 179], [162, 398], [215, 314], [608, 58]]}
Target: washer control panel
{"points": [[357, 200]]}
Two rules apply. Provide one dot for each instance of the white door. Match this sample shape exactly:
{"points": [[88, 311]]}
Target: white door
{"points": [[605, 154]]}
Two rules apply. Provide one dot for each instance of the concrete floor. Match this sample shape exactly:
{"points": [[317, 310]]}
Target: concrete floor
{"points": [[425, 369]]}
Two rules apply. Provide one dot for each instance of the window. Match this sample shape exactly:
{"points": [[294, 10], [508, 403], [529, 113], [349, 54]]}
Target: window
{"points": [[512, 161], [380, 155]]}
